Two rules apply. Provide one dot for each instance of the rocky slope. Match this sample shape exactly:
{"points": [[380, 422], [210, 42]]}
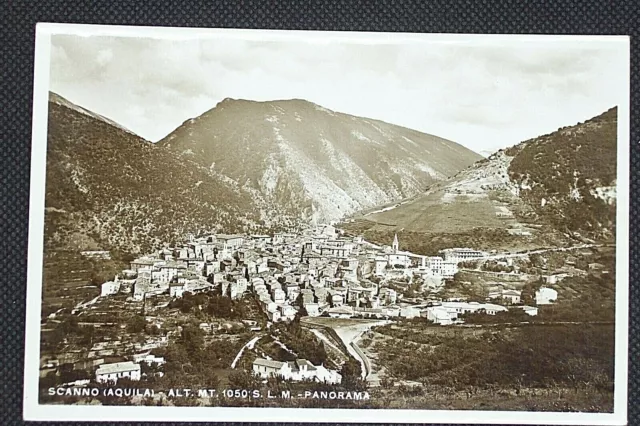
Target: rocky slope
{"points": [[560, 185], [108, 188], [311, 162]]}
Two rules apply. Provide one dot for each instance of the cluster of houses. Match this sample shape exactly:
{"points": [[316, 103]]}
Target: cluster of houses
{"points": [[445, 266], [318, 269], [447, 313], [543, 296], [297, 370]]}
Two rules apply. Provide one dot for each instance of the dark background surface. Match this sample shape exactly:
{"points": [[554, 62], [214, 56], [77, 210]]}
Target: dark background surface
{"points": [[16, 61]]}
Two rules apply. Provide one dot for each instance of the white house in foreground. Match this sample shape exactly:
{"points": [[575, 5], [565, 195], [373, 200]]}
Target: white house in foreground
{"points": [[148, 358], [447, 313], [119, 370], [440, 315], [546, 296], [110, 287], [297, 370]]}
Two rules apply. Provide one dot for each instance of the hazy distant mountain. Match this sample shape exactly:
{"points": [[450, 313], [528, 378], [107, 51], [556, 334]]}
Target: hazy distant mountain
{"points": [[554, 186], [486, 153], [311, 162], [108, 188]]}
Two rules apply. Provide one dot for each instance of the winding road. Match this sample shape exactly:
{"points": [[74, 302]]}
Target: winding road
{"points": [[350, 336], [249, 345], [539, 251]]}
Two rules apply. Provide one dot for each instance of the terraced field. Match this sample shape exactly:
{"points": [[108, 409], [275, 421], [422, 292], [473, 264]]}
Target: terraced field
{"points": [[67, 279]]}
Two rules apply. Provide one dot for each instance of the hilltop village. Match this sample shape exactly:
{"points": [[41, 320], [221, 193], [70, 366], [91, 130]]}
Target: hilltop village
{"points": [[320, 272]]}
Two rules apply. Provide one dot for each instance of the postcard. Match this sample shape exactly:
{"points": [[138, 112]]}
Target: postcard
{"points": [[247, 225]]}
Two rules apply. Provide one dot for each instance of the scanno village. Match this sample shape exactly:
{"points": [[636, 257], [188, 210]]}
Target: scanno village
{"points": [[337, 287], [260, 249]]}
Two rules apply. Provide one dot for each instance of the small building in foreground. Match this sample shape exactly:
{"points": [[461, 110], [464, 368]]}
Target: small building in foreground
{"points": [[546, 296], [118, 370], [109, 288], [297, 370]]}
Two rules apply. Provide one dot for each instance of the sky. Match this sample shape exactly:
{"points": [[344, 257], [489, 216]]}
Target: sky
{"points": [[485, 96]]}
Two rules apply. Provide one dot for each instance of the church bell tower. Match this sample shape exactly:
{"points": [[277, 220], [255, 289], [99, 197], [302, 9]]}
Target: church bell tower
{"points": [[395, 243]]}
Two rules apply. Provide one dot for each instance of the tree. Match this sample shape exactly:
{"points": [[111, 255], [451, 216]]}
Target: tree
{"points": [[387, 382], [136, 324], [351, 373], [239, 379], [192, 339], [228, 292], [302, 311], [69, 325], [210, 379], [86, 335]]}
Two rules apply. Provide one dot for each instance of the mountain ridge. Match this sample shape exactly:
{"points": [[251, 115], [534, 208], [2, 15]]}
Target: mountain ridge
{"points": [[109, 188], [556, 187], [61, 100], [332, 163]]}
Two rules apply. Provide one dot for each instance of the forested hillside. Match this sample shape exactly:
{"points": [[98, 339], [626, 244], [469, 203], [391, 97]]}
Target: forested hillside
{"points": [[568, 177], [109, 189]]}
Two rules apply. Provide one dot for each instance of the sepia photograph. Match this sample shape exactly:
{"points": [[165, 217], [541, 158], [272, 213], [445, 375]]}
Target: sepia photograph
{"points": [[255, 225]]}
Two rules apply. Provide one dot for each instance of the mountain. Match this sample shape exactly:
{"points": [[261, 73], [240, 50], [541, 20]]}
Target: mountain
{"points": [[569, 177], [308, 162], [108, 188], [59, 100], [545, 190]]}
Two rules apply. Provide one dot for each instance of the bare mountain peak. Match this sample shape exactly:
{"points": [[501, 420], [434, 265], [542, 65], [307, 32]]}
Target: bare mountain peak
{"points": [[293, 102], [312, 162]]}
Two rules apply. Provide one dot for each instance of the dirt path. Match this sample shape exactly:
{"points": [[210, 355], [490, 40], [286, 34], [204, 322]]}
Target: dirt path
{"points": [[83, 305], [248, 345]]}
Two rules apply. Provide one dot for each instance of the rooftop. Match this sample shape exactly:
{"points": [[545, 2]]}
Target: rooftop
{"points": [[228, 236], [144, 261], [341, 310], [118, 367], [171, 264], [268, 363]]}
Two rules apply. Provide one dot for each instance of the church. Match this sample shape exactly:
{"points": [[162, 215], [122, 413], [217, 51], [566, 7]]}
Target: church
{"points": [[397, 258]]}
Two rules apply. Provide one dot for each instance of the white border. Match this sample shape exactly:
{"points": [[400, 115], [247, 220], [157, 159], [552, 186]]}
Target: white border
{"points": [[34, 411]]}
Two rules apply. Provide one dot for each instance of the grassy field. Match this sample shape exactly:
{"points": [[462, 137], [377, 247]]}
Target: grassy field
{"points": [[431, 240], [429, 212]]}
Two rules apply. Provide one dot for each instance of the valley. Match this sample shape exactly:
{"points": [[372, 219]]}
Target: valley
{"points": [[548, 191], [281, 246]]}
